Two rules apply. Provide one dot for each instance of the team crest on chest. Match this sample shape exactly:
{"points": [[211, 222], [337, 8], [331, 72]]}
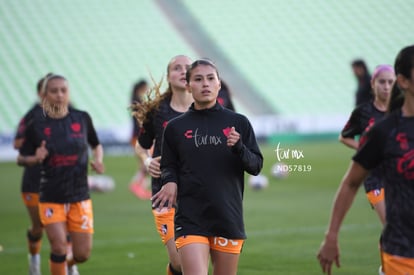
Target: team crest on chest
{"points": [[226, 131], [47, 131], [76, 130], [76, 127]]}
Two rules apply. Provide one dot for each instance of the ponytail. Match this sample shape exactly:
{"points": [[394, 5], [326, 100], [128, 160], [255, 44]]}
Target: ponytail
{"points": [[396, 99], [404, 63], [150, 103]]}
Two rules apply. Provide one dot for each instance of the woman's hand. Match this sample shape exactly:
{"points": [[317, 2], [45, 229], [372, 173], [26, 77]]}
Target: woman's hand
{"points": [[233, 137], [167, 194], [153, 166], [97, 166], [41, 152], [329, 253]]}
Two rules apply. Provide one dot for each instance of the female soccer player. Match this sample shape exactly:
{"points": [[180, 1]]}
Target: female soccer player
{"points": [[205, 153], [389, 143], [361, 120], [30, 189], [58, 139], [363, 93], [138, 184], [154, 115]]}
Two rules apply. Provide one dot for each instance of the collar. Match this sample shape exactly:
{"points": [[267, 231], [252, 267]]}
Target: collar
{"points": [[215, 108]]}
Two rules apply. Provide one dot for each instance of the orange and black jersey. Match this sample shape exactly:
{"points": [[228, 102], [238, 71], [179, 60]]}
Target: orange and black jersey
{"points": [[209, 174], [152, 130], [65, 169], [390, 143], [31, 174]]}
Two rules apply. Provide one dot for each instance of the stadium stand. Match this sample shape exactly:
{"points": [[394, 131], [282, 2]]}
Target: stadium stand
{"points": [[298, 53], [102, 47]]}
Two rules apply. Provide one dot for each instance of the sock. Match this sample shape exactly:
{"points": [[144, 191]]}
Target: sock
{"points": [[57, 264], [70, 261], [172, 271], [69, 252], [34, 243], [34, 261]]}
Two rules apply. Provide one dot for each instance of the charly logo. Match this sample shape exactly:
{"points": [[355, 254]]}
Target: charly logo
{"points": [[188, 134]]}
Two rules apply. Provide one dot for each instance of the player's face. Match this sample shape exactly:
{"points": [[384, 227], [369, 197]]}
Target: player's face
{"points": [[56, 100], [382, 85], [139, 93], [358, 71], [57, 91], [204, 86], [176, 72]]}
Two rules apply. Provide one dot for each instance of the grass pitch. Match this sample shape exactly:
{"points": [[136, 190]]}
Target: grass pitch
{"points": [[285, 223]]}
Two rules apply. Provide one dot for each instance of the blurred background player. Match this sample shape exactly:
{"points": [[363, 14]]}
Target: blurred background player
{"points": [[138, 184], [154, 115], [58, 140], [224, 96], [205, 153], [30, 188], [361, 120], [361, 72], [389, 143]]}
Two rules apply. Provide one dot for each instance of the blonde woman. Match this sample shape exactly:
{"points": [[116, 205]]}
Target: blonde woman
{"points": [[154, 114], [58, 140]]}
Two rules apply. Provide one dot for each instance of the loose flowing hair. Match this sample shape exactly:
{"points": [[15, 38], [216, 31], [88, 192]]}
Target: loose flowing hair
{"points": [[150, 102]]}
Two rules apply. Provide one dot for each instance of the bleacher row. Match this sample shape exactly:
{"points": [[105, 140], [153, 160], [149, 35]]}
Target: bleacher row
{"points": [[296, 53], [102, 47]]}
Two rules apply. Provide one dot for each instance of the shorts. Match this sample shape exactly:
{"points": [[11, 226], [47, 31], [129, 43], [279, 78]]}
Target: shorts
{"points": [[164, 222], [374, 180], [396, 265], [215, 243], [30, 199], [78, 216], [375, 196]]}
